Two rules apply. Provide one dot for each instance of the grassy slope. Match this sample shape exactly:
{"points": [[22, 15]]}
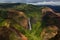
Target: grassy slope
{"points": [[30, 11]]}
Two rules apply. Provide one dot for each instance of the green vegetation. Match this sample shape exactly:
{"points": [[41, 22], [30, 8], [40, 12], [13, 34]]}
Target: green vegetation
{"points": [[30, 11]]}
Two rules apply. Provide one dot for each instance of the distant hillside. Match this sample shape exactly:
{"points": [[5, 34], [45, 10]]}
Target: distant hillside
{"points": [[11, 5], [55, 8], [5, 5]]}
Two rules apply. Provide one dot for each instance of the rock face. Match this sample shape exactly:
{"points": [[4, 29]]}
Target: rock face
{"points": [[50, 18], [7, 33], [19, 17], [4, 33], [47, 9], [49, 32]]}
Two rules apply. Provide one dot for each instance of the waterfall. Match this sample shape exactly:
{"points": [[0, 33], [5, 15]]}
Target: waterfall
{"points": [[29, 24]]}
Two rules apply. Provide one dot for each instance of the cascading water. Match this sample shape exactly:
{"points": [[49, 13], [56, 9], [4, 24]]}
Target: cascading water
{"points": [[29, 24]]}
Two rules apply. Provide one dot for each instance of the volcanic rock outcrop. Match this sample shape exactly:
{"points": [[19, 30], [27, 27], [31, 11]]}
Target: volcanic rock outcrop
{"points": [[50, 19]]}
